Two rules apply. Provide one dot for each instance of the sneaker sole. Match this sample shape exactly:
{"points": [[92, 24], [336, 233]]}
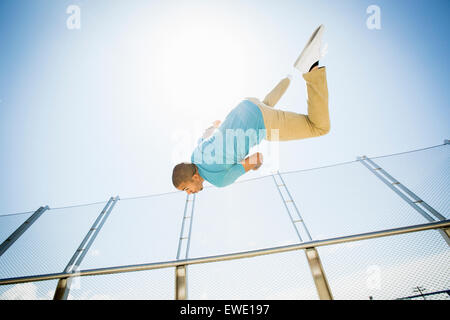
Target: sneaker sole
{"points": [[311, 39]]}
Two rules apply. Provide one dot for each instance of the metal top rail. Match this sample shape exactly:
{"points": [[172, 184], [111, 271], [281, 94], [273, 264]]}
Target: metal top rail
{"points": [[232, 256]]}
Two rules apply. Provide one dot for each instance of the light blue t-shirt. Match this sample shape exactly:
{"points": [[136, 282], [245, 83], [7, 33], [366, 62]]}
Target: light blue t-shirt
{"points": [[218, 157]]}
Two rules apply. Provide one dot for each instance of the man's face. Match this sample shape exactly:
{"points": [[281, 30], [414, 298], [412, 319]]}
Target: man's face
{"points": [[193, 186]]}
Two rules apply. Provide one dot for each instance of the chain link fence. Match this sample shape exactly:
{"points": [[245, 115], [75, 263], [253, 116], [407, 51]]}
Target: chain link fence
{"points": [[334, 201]]}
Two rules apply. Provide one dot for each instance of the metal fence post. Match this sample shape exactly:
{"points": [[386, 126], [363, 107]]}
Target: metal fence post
{"points": [[21, 229], [63, 287], [180, 283], [188, 236], [320, 280], [181, 272]]}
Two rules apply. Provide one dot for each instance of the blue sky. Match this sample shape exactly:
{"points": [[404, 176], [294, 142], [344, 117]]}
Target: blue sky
{"points": [[110, 108], [96, 100]]}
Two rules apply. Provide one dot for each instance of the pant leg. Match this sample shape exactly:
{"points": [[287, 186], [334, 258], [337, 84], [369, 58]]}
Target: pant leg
{"points": [[293, 126], [275, 95]]}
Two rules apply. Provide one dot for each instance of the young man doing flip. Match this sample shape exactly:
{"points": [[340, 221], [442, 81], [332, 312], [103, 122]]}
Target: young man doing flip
{"points": [[218, 160]]}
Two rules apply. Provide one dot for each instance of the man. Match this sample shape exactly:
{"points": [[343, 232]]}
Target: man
{"points": [[220, 157]]}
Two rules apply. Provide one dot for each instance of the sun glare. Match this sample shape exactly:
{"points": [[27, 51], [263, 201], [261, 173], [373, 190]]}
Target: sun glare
{"points": [[199, 65]]}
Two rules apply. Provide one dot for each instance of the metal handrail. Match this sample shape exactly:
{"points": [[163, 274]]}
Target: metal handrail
{"points": [[232, 256]]}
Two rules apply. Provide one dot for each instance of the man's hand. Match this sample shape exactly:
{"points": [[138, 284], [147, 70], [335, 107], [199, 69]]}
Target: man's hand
{"points": [[259, 160], [209, 131], [253, 162]]}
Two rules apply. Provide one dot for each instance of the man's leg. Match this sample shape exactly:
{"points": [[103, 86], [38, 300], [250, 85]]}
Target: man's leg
{"points": [[275, 95], [294, 126]]}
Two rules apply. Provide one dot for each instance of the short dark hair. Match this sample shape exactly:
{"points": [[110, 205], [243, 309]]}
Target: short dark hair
{"points": [[183, 172]]}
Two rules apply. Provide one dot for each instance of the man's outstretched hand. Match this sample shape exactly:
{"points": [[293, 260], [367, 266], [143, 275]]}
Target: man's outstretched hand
{"points": [[209, 131], [259, 160], [253, 162]]}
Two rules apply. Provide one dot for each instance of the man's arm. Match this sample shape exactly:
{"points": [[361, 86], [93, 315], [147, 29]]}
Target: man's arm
{"points": [[252, 162]]}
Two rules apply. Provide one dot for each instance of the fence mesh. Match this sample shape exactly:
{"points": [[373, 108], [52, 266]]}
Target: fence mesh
{"points": [[137, 231], [42, 290], [276, 276], [333, 201], [387, 268], [426, 173], [48, 245], [145, 285]]}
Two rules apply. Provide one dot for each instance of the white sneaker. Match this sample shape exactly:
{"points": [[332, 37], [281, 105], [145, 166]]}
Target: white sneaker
{"points": [[312, 51]]}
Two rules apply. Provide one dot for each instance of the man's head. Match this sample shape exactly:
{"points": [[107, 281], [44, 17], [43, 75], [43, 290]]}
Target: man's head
{"points": [[185, 177]]}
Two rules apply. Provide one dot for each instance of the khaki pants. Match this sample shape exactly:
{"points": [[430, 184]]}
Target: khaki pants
{"points": [[291, 125]]}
